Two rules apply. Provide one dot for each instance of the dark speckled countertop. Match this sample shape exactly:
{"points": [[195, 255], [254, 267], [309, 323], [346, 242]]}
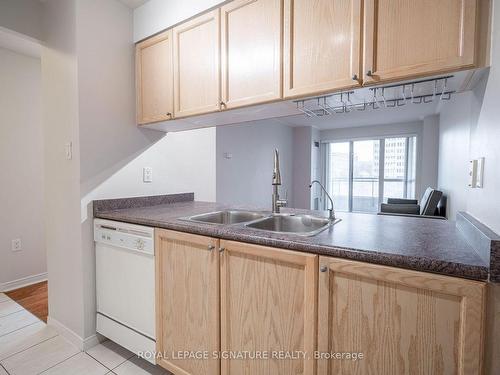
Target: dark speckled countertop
{"points": [[429, 245]]}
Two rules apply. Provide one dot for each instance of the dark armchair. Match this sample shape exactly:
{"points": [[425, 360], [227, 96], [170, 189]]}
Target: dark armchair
{"points": [[428, 206]]}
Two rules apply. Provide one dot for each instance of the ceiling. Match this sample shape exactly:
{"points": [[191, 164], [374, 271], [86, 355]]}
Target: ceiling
{"points": [[133, 3], [19, 43]]}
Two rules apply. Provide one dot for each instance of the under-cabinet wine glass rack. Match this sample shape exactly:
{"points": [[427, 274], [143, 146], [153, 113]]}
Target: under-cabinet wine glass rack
{"points": [[423, 91]]}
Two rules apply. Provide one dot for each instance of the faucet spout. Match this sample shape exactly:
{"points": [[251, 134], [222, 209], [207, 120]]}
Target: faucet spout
{"points": [[277, 202], [276, 169], [330, 210]]}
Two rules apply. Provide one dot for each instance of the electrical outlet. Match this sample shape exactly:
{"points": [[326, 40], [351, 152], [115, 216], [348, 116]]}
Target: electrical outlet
{"points": [[16, 245], [147, 174]]}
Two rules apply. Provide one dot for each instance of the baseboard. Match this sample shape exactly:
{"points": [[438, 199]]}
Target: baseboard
{"points": [[25, 281], [71, 336]]}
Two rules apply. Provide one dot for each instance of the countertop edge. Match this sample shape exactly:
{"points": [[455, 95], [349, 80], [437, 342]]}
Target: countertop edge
{"points": [[472, 272]]}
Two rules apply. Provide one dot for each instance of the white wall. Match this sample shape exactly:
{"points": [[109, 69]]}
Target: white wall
{"points": [[182, 162], [22, 16], [471, 130], [430, 152], [484, 204], [21, 163], [302, 166], [89, 70], [246, 177], [158, 15], [454, 146], [316, 165], [62, 177]]}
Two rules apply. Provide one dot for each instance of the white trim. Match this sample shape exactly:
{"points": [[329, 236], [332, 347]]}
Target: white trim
{"points": [[25, 281], [75, 339], [369, 138], [92, 341]]}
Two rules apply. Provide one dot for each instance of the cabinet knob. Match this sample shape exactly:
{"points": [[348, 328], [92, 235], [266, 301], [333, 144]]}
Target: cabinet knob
{"points": [[169, 114], [369, 73], [355, 77], [323, 268], [211, 247], [222, 104], [221, 249]]}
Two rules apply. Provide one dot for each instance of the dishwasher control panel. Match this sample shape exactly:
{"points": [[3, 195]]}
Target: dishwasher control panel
{"points": [[128, 236]]}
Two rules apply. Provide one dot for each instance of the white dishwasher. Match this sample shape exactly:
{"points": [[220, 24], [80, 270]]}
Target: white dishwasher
{"points": [[125, 285]]}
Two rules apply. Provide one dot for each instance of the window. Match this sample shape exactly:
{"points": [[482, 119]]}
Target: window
{"points": [[363, 173]]}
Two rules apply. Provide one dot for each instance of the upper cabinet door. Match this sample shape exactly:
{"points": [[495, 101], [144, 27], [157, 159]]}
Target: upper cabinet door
{"points": [[251, 52], [409, 38], [196, 65], [154, 79], [322, 46]]}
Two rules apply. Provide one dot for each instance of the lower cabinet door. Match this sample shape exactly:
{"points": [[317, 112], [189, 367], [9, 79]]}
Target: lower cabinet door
{"points": [[268, 310], [187, 300], [382, 320]]}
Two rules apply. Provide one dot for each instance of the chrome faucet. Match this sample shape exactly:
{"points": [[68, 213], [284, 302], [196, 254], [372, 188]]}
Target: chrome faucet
{"points": [[331, 215], [277, 202]]}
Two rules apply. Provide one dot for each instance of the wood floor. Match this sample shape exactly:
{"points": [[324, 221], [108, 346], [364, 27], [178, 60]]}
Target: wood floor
{"points": [[33, 298]]}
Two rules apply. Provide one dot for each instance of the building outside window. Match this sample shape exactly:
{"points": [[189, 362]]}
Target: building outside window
{"points": [[361, 174]]}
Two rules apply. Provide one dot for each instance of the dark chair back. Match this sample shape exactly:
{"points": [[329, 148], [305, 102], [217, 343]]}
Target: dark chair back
{"points": [[429, 202]]}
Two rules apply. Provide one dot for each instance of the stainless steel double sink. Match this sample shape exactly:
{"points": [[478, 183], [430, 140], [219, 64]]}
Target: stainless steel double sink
{"points": [[304, 225]]}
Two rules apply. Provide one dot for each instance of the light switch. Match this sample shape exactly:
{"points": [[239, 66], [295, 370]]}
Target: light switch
{"points": [[479, 173], [147, 174], [472, 173], [68, 149], [476, 171]]}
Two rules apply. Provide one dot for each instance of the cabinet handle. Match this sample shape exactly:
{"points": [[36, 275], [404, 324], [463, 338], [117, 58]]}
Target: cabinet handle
{"points": [[369, 73], [221, 249], [355, 77], [211, 247], [323, 268]]}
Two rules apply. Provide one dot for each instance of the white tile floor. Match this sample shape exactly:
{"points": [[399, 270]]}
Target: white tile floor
{"points": [[28, 346]]}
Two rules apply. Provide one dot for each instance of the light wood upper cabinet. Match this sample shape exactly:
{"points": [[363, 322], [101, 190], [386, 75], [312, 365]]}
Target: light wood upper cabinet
{"points": [[404, 322], [154, 81], [255, 51], [251, 52], [322, 46], [409, 38], [268, 303], [196, 65], [187, 297]]}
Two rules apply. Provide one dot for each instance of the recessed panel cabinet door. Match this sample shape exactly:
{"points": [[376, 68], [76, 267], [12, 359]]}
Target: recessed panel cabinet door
{"points": [[322, 46], [408, 38], [268, 304], [251, 52], [187, 300], [403, 322], [154, 78], [196, 65]]}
